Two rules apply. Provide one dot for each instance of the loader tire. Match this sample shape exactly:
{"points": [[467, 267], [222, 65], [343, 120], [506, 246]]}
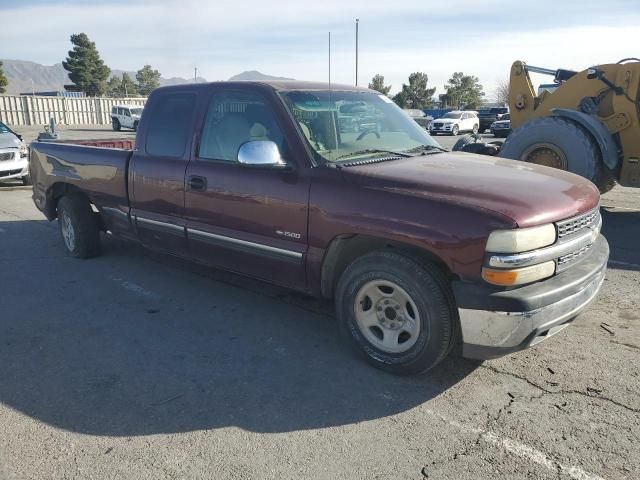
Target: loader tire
{"points": [[559, 143]]}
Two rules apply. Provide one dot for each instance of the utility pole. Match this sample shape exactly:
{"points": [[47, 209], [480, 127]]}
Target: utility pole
{"points": [[195, 74], [357, 24]]}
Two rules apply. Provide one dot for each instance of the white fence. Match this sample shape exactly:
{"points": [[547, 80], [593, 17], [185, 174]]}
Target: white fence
{"points": [[27, 110]]}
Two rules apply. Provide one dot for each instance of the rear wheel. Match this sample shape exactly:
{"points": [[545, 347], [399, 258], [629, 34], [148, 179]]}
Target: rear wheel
{"points": [[396, 312], [559, 143], [115, 124], [78, 226]]}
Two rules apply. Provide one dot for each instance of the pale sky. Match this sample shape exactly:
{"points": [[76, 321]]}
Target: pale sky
{"points": [[223, 38]]}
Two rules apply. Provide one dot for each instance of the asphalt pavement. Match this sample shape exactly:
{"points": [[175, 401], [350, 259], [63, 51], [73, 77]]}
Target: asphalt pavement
{"points": [[137, 365]]}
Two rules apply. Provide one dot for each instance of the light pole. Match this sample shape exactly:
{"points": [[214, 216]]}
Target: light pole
{"points": [[357, 24], [195, 74]]}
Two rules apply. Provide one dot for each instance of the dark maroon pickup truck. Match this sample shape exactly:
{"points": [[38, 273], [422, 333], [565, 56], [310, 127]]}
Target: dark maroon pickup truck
{"points": [[338, 193]]}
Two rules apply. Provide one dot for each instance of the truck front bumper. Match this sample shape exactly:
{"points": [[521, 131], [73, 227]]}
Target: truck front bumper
{"points": [[498, 322]]}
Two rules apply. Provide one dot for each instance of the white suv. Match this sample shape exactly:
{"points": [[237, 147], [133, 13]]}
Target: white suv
{"points": [[455, 122], [125, 116]]}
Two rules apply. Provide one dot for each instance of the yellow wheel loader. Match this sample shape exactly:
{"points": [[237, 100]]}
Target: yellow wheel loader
{"points": [[589, 124]]}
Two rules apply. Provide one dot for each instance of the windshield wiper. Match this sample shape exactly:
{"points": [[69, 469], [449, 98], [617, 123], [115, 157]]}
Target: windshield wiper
{"points": [[373, 150], [427, 148]]}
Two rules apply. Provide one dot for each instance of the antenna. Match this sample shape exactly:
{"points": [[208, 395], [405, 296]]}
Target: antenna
{"points": [[357, 24], [329, 65]]}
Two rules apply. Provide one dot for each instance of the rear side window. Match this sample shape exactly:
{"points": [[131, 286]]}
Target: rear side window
{"points": [[170, 125]]}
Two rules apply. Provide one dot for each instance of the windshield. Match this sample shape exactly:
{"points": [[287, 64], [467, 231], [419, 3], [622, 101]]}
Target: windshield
{"points": [[136, 111], [4, 128], [452, 115], [341, 125], [505, 117]]}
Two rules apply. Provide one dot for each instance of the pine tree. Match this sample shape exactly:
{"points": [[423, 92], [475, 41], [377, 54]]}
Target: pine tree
{"points": [[128, 87], [3, 80], [148, 80], [377, 83], [86, 68]]}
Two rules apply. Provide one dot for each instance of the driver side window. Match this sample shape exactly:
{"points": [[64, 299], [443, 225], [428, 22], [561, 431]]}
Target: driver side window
{"points": [[235, 118]]}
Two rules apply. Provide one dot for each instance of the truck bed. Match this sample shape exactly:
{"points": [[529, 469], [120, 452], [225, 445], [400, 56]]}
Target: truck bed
{"points": [[97, 167]]}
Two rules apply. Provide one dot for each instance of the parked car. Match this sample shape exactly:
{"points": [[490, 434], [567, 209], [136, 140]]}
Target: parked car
{"points": [[502, 127], [14, 161], [455, 122], [489, 115], [418, 247], [125, 116], [420, 117]]}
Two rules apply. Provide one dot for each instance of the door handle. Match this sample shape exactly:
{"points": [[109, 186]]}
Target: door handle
{"points": [[197, 183]]}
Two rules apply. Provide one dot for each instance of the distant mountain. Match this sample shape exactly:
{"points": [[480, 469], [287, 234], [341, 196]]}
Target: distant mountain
{"points": [[25, 76], [255, 76]]}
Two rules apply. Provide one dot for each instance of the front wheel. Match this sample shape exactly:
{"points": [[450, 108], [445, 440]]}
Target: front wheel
{"points": [[398, 313], [78, 226], [26, 180], [455, 130]]}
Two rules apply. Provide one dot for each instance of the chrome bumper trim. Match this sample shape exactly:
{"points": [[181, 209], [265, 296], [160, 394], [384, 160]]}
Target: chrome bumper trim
{"points": [[510, 330]]}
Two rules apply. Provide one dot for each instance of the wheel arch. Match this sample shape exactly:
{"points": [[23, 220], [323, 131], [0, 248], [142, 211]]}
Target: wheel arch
{"points": [[345, 248], [598, 132], [56, 192]]}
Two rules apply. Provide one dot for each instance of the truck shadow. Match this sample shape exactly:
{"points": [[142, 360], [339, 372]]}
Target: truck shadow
{"points": [[622, 230], [128, 345]]}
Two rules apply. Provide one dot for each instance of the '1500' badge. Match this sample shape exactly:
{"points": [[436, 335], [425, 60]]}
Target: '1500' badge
{"points": [[282, 233]]}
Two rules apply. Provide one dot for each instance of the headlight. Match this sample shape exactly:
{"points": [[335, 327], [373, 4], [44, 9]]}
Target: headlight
{"points": [[521, 239], [493, 125], [519, 276], [23, 150]]}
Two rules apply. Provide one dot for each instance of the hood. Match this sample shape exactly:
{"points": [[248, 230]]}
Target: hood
{"points": [[446, 120], [525, 193], [9, 140]]}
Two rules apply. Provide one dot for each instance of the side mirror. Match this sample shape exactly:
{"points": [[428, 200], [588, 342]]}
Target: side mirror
{"points": [[260, 153]]}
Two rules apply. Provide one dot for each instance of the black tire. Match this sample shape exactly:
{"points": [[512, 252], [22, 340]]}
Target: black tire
{"points": [[428, 290], [135, 126], [26, 180], [74, 213], [455, 130], [581, 153], [464, 141], [475, 130], [115, 124]]}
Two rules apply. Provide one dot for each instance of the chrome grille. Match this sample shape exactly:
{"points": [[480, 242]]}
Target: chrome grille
{"points": [[566, 260], [6, 156], [575, 224]]}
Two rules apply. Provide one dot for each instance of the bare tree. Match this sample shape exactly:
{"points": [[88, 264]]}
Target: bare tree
{"points": [[502, 92]]}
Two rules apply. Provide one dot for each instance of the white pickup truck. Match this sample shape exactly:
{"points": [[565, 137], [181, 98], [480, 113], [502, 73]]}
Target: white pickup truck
{"points": [[125, 116], [14, 156]]}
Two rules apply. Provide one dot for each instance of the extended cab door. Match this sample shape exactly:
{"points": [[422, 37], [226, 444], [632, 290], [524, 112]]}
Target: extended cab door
{"points": [[246, 219], [157, 169]]}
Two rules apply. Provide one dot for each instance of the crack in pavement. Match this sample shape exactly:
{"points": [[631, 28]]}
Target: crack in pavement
{"points": [[561, 391]]}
